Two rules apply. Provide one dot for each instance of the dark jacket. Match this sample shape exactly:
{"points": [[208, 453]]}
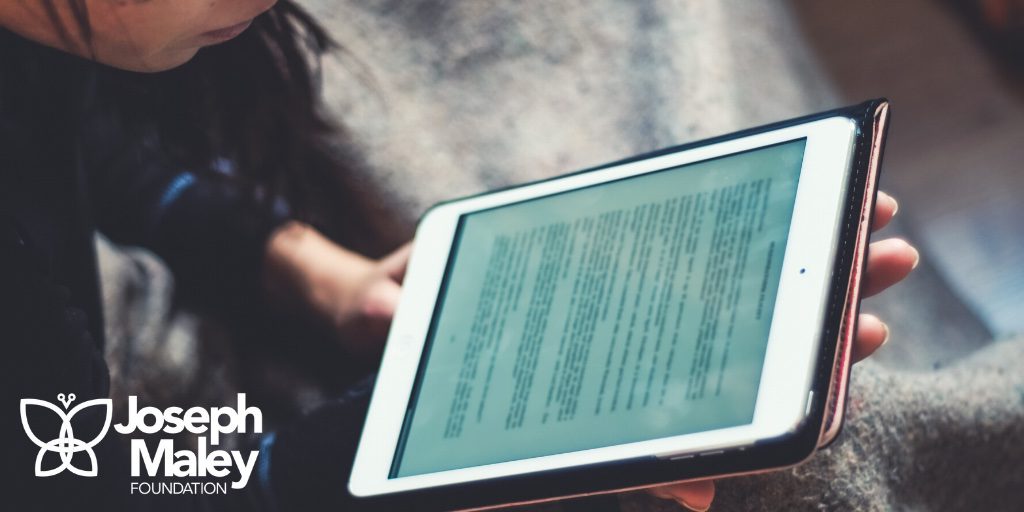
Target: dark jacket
{"points": [[59, 183]]}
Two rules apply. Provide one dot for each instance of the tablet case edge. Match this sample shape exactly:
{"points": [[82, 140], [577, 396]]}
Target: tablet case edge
{"points": [[839, 391]]}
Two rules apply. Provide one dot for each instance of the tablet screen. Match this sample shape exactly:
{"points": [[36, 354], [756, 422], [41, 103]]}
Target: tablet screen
{"points": [[625, 311]]}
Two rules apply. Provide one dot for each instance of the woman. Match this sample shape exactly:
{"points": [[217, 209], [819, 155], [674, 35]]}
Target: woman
{"points": [[114, 116]]}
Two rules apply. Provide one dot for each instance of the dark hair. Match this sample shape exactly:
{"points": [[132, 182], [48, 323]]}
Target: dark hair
{"points": [[253, 101]]}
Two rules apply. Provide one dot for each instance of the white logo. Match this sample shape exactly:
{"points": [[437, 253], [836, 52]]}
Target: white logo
{"points": [[149, 459], [66, 445]]}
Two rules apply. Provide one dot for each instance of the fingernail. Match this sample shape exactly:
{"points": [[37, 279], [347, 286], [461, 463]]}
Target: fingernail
{"points": [[690, 506], [694, 508], [917, 257], [885, 340], [884, 196]]}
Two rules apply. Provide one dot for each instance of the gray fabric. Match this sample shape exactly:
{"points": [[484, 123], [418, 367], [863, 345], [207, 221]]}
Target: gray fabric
{"points": [[450, 98], [152, 350], [164, 355], [937, 440]]}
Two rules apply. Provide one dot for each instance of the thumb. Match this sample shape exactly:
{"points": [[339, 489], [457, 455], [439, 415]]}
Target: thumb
{"points": [[382, 299], [394, 264], [692, 495]]}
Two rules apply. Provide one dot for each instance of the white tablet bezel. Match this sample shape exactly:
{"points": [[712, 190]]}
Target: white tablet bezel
{"points": [[792, 343]]}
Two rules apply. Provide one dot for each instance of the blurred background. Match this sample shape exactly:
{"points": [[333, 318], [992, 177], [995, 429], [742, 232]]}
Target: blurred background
{"points": [[955, 157]]}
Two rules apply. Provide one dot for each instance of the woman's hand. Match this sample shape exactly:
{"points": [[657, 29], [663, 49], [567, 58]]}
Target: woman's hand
{"points": [[889, 261], [354, 295], [364, 321]]}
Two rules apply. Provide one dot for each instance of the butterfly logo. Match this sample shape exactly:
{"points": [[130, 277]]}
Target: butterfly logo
{"points": [[66, 445]]}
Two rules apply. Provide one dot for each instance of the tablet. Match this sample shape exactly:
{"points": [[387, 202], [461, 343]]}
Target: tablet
{"points": [[679, 315]]}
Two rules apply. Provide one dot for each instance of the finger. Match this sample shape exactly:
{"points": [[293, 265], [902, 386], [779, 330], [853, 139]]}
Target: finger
{"points": [[692, 495], [872, 333], [377, 310], [889, 261], [885, 209], [394, 264], [381, 300]]}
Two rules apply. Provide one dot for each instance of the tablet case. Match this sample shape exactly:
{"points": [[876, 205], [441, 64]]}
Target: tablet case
{"points": [[830, 388], [870, 146]]}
